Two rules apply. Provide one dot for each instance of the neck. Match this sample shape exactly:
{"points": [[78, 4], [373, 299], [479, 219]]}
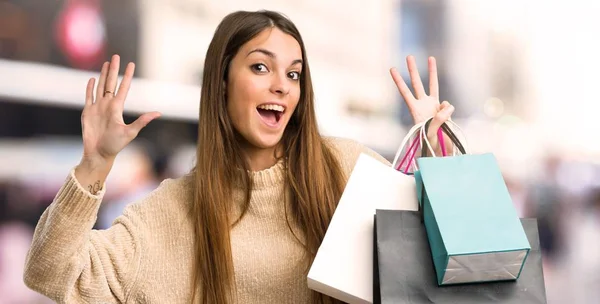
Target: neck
{"points": [[261, 159]]}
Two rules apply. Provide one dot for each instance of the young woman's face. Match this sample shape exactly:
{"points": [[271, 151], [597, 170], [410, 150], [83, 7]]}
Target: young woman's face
{"points": [[263, 87]]}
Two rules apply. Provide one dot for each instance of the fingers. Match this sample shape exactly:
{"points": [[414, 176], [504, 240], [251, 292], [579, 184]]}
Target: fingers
{"points": [[89, 92], [415, 79], [402, 87], [102, 81], [126, 82], [441, 117], [443, 105], [135, 127], [113, 75], [433, 78]]}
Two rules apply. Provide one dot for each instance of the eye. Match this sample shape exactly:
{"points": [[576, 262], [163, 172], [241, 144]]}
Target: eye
{"points": [[260, 68], [294, 75]]}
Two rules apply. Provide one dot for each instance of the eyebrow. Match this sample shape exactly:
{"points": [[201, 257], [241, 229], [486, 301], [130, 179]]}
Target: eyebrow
{"points": [[271, 54]]}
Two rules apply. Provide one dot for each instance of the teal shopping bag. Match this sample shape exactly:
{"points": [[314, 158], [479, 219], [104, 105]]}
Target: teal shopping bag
{"points": [[473, 228]]}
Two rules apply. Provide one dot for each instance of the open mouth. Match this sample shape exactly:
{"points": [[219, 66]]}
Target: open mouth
{"points": [[270, 113]]}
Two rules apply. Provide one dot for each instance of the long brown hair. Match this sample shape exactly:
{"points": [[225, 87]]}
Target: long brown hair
{"points": [[314, 177]]}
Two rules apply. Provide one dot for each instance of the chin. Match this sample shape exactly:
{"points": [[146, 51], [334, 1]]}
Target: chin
{"points": [[266, 141]]}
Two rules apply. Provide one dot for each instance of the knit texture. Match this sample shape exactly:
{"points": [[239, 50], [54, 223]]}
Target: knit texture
{"points": [[146, 256]]}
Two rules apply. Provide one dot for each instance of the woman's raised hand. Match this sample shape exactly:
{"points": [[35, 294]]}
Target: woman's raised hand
{"points": [[422, 105], [105, 133]]}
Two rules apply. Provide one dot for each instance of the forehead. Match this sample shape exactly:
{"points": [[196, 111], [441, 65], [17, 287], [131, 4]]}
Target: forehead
{"points": [[283, 45]]}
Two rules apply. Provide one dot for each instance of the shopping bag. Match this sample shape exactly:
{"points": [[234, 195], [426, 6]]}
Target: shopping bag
{"points": [[472, 225], [343, 265], [376, 284], [405, 271]]}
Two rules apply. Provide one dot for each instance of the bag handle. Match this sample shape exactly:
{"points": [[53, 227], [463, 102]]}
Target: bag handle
{"points": [[416, 128], [446, 129], [440, 135], [412, 151], [410, 154]]}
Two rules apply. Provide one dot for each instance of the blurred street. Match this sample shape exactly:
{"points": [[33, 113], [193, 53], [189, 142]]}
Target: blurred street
{"points": [[522, 75]]}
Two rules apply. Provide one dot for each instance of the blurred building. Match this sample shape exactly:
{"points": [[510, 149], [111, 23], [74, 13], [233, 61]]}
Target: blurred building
{"points": [[522, 76]]}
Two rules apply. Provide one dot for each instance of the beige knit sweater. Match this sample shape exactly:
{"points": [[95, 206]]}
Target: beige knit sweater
{"points": [[146, 256]]}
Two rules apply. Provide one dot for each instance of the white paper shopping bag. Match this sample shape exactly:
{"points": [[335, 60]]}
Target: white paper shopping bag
{"points": [[343, 266]]}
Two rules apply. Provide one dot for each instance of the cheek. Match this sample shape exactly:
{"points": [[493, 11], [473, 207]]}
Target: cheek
{"points": [[295, 96], [243, 95], [246, 91]]}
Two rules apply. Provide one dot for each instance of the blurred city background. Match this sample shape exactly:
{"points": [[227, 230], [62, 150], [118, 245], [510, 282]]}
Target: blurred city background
{"points": [[521, 73]]}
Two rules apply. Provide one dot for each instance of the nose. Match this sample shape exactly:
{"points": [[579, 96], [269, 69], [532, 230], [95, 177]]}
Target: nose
{"points": [[280, 84]]}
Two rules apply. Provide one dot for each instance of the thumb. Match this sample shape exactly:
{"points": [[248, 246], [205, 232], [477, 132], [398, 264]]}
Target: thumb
{"points": [[441, 117], [135, 127]]}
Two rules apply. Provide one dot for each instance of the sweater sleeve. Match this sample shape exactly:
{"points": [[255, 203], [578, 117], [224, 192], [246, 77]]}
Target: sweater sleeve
{"points": [[70, 262]]}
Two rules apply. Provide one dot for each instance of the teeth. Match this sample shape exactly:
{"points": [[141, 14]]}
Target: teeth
{"points": [[271, 107]]}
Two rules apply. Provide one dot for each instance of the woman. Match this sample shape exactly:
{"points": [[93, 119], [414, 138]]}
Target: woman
{"points": [[245, 224]]}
